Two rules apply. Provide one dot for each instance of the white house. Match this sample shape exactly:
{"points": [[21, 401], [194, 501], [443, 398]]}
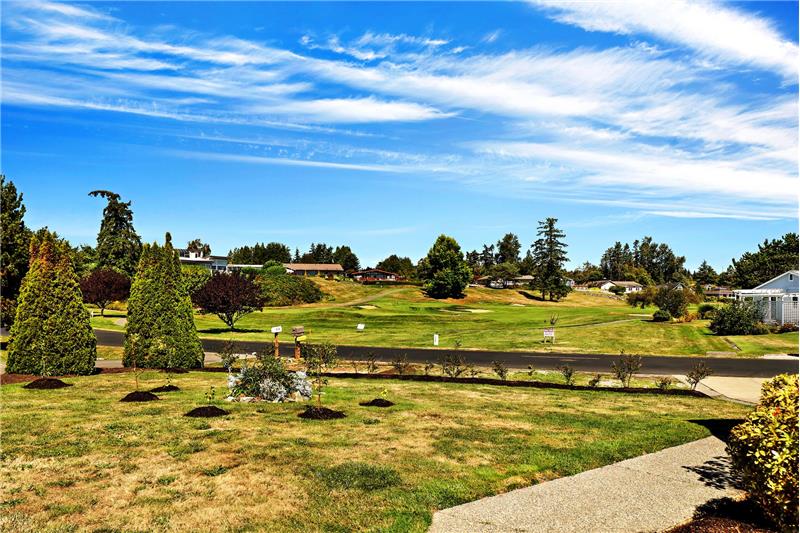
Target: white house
{"points": [[777, 297], [607, 284]]}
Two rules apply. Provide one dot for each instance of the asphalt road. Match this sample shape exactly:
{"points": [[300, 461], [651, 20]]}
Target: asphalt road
{"points": [[654, 364]]}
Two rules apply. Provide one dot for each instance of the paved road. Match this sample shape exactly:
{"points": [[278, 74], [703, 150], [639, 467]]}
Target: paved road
{"points": [[656, 364]]}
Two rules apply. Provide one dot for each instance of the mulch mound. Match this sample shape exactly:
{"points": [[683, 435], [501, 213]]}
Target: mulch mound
{"points": [[166, 388], [46, 383], [140, 396], [207, 411], [718, 525], [377, 402], [321, 413]]}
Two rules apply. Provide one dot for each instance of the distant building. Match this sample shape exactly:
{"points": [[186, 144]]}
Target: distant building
{"points": [[777, 298], [673, 286], [607, 284], [376, 275], [215, 263], [314, 269], [712, 291]]}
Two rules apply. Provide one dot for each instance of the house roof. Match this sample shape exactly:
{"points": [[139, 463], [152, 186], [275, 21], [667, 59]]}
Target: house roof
{"points": [[524, 277], [795, 272], [375, 270], [330, 267], [626, 283]]}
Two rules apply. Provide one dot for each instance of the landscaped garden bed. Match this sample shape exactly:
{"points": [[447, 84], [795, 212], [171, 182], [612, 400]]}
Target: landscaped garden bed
{"points": [[70, 455]]}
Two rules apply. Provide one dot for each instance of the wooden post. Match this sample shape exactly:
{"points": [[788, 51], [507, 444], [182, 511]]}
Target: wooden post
{"points": [[296, 349], [277, 347]]}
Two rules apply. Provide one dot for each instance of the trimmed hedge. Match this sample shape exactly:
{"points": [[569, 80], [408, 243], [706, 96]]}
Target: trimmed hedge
{"points": [[52, 333], [160, 331], [764, 451]]}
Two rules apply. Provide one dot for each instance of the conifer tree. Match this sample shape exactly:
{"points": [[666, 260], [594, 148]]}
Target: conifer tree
{"points": [[52, 333], [549, 255], [118, 244], [14, 243], [160, 331]]}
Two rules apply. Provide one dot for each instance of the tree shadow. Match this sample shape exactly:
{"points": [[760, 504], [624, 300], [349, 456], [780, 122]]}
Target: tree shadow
{"points": [[719, 427], [746, 512], [531, 296], [226, 330]]}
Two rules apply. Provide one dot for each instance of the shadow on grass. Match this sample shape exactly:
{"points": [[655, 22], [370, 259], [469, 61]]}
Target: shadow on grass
{"points": [[227, 330], [531, 296], [719, 427]]}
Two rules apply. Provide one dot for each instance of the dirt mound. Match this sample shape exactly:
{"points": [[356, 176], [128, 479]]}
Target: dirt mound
{"points": [[46, 383], [207, 411], [321, 413], [166, 388], [140, 396], [377, 402]]}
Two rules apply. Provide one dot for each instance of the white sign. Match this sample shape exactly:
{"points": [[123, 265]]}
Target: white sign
{"points": [[436, 339], [277, 329], [360, 327], [549, 332]]}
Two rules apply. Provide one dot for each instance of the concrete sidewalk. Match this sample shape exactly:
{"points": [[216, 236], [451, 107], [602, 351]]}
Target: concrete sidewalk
{"points": [[654, 492], [745, 390]]}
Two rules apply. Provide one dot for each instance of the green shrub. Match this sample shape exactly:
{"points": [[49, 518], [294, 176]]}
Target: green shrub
{"points": [[194, 278], [764, 453], [737, 318], [160, 331], [52, 333], [624, 368], [707, 310], [661, 316], [286, 289], [673, 301]]}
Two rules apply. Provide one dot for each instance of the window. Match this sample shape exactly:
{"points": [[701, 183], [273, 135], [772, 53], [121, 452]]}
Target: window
{"points": [[791, 277]]}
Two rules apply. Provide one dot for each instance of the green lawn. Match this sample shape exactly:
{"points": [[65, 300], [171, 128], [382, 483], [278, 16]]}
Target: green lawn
{"points": [[485, 319], [77, 459]]}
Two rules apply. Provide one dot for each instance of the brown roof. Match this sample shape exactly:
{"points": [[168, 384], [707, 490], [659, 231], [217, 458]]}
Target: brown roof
{"points": [[333, 267]]}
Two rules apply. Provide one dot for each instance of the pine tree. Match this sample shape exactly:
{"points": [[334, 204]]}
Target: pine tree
{"points": [[118, 245], [52, 333], [14, 243], [161, 331], [549, 255], [508, 249]]}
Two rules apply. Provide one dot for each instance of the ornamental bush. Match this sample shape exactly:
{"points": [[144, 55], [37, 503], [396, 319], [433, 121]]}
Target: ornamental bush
{"points": [[52, 333], [661, 316], [160, 331], [738, 318], [764, 451]]}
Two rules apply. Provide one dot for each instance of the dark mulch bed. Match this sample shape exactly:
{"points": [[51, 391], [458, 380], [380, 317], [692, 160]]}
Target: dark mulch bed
{"points": [[516, 383], [140, 396], [207, 411], [166, 388], [321, 413], [46, 383], [724, 515], [175, 370], [377, 402]]}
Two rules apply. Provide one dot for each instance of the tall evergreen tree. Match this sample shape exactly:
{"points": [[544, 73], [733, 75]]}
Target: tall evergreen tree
{"points": [[398, 265], [347, 258], [705, 274], [549, 255], [160, 331], [772, 259], [444, 270], [52, 333], [199, 247], [508, 249], [118, 245], [14, 244]]}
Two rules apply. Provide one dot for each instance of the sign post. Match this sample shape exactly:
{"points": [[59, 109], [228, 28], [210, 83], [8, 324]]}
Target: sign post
{"points": [[299, 333], [550, 333], [436, 339], [360, 327], [275, 331]]}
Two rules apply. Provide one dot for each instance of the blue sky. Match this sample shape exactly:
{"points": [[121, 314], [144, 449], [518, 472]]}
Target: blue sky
{"points": [[382, 125]]}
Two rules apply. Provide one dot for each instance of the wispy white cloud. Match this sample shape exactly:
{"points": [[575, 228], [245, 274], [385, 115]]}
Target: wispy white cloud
{"points": [[711, 29]]}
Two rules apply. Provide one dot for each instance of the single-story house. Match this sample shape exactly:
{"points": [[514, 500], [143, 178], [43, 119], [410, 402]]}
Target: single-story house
{"points": [[776, 297], [516, 281], [375, 275], [607, 284], [314, 269], [673, 286], [712, 291], [569, 282]]}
